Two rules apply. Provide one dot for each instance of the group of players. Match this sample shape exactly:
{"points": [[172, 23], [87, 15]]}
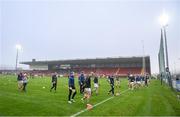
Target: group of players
{"points": [[136, 81], [84, 80], [22, 81], [85, 85]]}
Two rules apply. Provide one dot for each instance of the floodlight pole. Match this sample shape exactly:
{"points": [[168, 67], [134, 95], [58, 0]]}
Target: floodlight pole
{"points": [[168, 74], [144, 62], [174, 67], [16, 59], [166, 50]]}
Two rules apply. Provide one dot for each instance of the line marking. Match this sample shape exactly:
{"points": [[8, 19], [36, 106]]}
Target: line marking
{"points": [[84, 110]]}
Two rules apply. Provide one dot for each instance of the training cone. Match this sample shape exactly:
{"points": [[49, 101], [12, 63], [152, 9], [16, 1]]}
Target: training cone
{"points": [[89, 106]]}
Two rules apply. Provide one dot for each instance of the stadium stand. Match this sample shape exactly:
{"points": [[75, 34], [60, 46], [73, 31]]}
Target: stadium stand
{"points": [[102, 66]]}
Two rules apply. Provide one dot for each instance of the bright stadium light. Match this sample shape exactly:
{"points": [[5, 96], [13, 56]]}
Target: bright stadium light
{"points": [[18, 48], [163, 19]]}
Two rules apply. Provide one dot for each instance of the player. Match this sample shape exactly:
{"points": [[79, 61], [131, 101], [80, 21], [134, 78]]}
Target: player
{"points": [[143, 80], [132, 80], [87, 90], [96, 84], [117, 84], [81, 82], [111, 82], [146, 80], [54, 82], [138, 81], [25, 81], [72, 89], [20, 81], [128, 76]]}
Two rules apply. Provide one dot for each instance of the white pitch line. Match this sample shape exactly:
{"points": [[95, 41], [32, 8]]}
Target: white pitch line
{"points": [[84, 110]]}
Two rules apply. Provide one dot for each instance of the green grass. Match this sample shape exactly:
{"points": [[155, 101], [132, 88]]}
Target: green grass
{"points": [[152, 100]]}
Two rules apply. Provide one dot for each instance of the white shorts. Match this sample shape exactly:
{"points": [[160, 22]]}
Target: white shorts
{"points": [[131, 83], [88, 90], [20, 82], [96, 85], [138, 82]]}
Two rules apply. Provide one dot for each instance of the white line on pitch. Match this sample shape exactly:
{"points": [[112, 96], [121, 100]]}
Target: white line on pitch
{"points": [[84, 110]]}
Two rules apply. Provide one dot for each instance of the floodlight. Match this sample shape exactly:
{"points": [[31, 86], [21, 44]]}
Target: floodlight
{"points": [[18, 47], [163, 19]]}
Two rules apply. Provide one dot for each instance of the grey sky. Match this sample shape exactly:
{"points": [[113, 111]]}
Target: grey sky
{"points": [[52, 30]]}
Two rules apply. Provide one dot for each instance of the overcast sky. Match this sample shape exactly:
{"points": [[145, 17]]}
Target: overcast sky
{"points": [[69, 29]]}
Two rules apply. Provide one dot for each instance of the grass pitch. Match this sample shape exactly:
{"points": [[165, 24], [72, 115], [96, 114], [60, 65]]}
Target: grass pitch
{"points": [[39, 101]]}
